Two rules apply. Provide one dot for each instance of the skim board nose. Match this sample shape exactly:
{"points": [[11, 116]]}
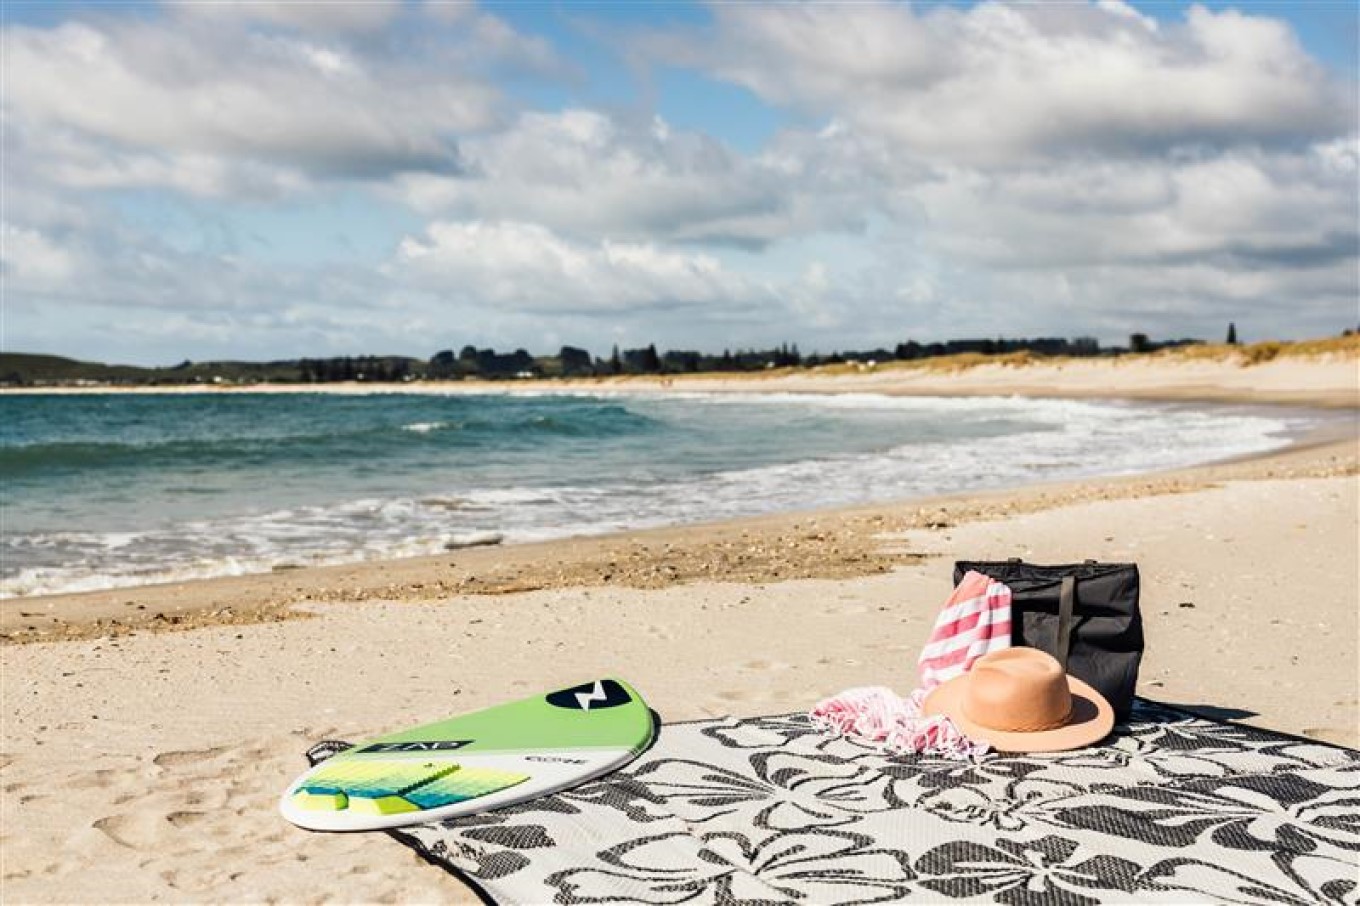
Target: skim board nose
{"points": [[484, 760]]}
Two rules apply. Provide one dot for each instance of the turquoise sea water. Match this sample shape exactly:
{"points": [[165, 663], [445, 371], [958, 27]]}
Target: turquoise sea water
{"points": [[129, 488]]}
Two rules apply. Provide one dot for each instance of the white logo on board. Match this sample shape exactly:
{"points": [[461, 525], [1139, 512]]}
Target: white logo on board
{"points": [[596, 694]]}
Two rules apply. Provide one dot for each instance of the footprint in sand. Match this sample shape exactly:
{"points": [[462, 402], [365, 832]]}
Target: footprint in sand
{"points": [[213, 797], [180, 759], [185, 819], [1333, 735], [852, 610], [197, 881], [763, 665], [143, 830], [47, 870], [96, 780]]}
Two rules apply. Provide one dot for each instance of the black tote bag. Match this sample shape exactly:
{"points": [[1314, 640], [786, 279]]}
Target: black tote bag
{"points": [[1085, 615]]}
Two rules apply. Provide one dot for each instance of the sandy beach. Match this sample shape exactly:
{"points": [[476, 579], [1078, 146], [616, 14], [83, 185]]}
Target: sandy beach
{"points": [[148, 731]]}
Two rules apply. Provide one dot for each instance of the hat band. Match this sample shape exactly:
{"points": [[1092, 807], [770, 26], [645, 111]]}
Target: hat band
{"points": [[1026, 728]]}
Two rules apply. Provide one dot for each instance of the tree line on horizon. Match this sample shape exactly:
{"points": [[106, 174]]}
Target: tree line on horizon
{"points": [[19, 369], [572, 361], [576, 362]]}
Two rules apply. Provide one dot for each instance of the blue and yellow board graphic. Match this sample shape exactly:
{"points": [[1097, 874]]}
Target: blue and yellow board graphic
{"points": [[487, 759]]}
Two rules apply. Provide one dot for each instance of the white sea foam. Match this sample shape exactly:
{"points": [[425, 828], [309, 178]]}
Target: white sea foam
{"points": [[426, 427], [1033, 440]]}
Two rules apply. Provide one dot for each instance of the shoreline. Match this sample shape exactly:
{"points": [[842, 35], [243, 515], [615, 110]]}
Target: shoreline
{"points": [[1320, 381], [1328, 401], [830, 543], [1326, 388], [1323, 425]]}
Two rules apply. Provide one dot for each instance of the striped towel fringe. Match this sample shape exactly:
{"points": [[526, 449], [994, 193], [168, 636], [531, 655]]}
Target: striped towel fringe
{"points": [[976, 620]]}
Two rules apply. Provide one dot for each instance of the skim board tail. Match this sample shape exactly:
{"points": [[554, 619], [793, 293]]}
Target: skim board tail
{"points": [[491, 758]]}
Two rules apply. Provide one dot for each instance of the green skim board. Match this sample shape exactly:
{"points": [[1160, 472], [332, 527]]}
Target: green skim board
{"points": [[484, 760]]}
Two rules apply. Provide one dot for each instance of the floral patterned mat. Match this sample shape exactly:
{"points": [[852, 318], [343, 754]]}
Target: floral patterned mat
{"points": [[1171, 808]]}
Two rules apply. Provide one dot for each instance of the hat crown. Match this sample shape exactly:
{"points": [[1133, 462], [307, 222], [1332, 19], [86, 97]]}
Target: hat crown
{"points": [[1018, 690]]}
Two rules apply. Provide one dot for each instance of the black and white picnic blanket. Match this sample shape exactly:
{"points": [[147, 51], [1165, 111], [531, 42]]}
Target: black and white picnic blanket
{"points": [[1171, 808]]}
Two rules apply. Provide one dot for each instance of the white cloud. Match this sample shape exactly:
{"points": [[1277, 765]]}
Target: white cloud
{"points": [[586, 173], [73, 162], [130, 296], [213, 107], [29, 258], [449, 10], [528, 268], [1245, 208], [996, 83], [340, 15], [112, 293]]}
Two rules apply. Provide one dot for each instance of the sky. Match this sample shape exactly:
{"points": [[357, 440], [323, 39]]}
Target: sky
{"points": [[214, 180]]}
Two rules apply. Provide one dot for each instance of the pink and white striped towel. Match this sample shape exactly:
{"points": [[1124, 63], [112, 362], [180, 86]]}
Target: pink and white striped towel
{"points": [[976, 620]]}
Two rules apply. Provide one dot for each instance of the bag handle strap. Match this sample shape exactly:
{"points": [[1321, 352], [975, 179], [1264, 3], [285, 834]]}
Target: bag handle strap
{"points": [[1066, 600]]}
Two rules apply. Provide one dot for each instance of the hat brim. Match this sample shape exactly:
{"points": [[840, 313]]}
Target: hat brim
{"points": [[1092, 720]]}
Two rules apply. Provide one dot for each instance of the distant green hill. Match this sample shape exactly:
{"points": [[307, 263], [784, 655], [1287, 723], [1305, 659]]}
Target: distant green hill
{"points": [[21, 368], [18, 369]]}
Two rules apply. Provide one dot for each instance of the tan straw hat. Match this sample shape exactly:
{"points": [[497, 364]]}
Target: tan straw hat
{"points": [[1019, 700]]}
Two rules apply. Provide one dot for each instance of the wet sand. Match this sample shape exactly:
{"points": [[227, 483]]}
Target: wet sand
{"points": [[826, 544]]}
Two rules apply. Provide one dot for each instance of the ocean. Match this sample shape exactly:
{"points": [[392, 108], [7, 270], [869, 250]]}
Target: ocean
{"points": [[109, 490]]}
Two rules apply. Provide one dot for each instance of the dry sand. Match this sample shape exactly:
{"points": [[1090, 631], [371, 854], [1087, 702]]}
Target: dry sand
{"points": [[144, 765]]}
